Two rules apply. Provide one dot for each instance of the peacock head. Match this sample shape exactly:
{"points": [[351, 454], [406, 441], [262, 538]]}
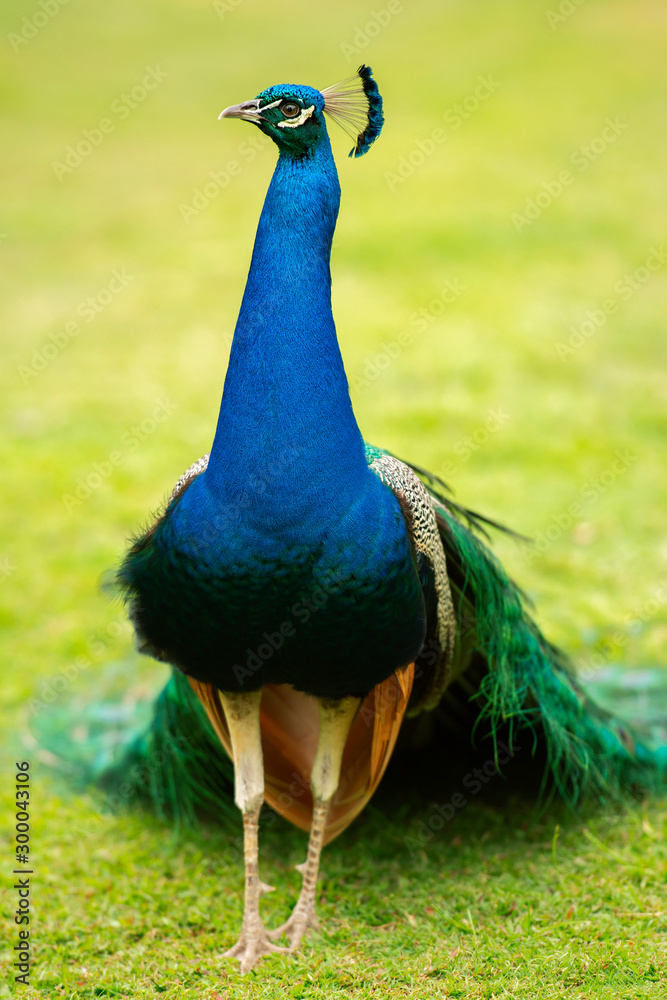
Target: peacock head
{"points": [[293, 116]]}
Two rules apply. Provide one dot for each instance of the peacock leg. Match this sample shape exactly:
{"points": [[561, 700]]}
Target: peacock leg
{"points": [[242, 714], [335, 720]]}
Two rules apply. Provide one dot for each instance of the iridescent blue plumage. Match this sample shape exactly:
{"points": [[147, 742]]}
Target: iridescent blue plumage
{"points": [[288, 506]]}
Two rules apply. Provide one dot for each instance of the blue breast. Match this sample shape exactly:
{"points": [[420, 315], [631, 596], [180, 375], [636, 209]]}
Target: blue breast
{"points": [[332, 605], [287, 560]]}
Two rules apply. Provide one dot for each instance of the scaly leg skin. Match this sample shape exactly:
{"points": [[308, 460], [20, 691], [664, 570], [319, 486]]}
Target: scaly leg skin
{"points": [[242, 713], [335, 720]]}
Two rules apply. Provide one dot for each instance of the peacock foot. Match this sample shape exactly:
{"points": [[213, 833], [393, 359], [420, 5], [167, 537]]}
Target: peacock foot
{"points": [[297, 925], [252, 945]]}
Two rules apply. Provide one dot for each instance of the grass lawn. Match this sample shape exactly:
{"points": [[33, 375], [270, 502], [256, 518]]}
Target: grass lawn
{"points": [[499, 289]]}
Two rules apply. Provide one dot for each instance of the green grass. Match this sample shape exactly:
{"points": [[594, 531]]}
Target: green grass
{"points": [[145, 915], [487, 909]]}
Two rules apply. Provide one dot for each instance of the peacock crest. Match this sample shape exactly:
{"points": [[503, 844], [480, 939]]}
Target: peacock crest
{"points": [[356, 105]]}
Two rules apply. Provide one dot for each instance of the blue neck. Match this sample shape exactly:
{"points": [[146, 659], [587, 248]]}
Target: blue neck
{"points": [[286, 424]]}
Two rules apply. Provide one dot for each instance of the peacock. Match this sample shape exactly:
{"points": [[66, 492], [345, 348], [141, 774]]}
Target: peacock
{"points": [[314, 593]]}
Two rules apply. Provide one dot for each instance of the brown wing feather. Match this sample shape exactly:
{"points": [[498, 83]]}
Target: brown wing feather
{"points": [[289, 722]]}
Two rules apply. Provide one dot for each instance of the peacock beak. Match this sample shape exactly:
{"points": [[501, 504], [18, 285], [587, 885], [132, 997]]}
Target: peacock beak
{"points": [[248, 111]]}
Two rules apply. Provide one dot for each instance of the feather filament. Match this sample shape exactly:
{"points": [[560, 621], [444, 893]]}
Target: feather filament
{"points": [[356, 105]]}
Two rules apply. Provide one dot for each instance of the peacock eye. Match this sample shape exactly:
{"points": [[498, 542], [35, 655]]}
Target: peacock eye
{"points": [[290, 109]]}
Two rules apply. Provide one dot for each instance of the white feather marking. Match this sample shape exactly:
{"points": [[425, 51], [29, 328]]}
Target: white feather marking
{"points": [[297, 121], [274, 105]]}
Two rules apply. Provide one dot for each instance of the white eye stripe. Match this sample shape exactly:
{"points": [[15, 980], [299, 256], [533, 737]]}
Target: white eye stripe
{"points": [[296, 121]]}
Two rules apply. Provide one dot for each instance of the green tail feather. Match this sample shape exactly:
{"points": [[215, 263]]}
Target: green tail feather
{"points": [[177, 766], [531, 685], [162, 752]]}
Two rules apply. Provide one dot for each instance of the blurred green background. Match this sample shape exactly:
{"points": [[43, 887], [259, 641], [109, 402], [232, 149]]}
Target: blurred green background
{"points": [[533, 379]]}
